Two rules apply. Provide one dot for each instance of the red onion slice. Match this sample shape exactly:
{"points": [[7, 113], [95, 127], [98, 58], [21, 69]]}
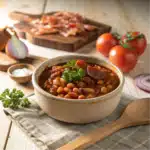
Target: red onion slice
{"points": [[143, 82]]}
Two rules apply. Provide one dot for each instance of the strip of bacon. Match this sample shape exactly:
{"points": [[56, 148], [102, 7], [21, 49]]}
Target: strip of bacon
{"points": [[64, 23]]}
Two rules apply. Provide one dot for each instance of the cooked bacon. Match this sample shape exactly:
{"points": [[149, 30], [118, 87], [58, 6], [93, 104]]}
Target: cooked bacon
{"points": [[42, 31], [49, 20], [64, 23], [72, 31]]}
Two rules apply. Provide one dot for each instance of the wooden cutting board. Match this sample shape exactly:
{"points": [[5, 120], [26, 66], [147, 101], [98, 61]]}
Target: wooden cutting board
{"points": [[6, 61], [56, 41]]}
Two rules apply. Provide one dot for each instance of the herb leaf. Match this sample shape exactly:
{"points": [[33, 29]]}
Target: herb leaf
{"points": [[13, 99], [71, 63], [73, 73], [81, 72]]}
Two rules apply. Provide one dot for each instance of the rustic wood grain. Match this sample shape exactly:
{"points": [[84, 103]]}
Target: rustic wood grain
{"points": [[6, 61], [23, 142], [122, 15], [4, 126]]}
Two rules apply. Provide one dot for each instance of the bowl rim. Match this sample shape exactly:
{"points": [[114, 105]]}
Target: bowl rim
{"points": [[89, 100], [20, 64]]}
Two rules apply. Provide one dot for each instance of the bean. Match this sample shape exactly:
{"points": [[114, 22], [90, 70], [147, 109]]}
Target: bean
{"points": [[109, 87], [108, 82], [66, 89], [87, 80], [97, 91], [48, 86], [53, 91], [73, 94], [56, 81], [57, 78], [60, 90], [70, 85], [90, 96], [81, 97], [67, 96], [88, 90], [100, 82], [81, 84], [80, 90], [62, 82], [104, 90], [76, 90], [55, 86], [60, 95], [98, 67], [50, 81], [112, 74]]}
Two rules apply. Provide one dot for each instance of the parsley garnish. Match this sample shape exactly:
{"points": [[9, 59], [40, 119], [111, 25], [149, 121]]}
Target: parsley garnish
{"points": [[71, 63], [73, 72], [14, 99]]}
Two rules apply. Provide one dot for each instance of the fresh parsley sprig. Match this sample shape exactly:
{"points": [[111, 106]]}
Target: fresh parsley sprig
{"points": [[73, 72], [71, 63], [14, 99]]}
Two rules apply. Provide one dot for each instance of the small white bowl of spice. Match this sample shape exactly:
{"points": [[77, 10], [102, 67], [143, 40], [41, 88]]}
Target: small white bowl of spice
{"points": [[21, 73]]}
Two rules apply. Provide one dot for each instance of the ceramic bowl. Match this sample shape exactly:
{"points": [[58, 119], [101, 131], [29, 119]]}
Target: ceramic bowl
{"points": [[20, 79], [72, 110]]}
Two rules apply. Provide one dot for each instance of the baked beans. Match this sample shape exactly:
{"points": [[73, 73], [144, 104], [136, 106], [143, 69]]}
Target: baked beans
{"points": [[95, 82]]}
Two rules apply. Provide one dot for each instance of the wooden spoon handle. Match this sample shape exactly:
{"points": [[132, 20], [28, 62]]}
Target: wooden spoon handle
{"points": [[94, 136]]}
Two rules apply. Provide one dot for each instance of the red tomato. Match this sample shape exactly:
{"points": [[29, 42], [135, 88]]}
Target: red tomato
{"points": [[105, 42], [123, 58], [81, 63], [135, 40]]}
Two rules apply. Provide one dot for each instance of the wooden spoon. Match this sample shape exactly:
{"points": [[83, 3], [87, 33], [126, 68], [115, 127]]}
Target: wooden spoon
{"points": [[136, 113]]}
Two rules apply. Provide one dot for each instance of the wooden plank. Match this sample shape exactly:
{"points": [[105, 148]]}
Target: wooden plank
{"points": [[7, 136], [19, 141], [4, 126]]}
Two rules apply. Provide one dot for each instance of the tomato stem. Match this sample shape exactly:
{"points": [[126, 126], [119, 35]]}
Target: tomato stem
{"points": [[126, 45], [130, 36], [116, 35]]}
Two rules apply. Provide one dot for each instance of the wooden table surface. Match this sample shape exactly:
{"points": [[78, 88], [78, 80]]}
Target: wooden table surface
{"points": [[122, 15]]}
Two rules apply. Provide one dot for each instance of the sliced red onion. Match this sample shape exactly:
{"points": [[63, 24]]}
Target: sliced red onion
{"points": [[143, 82]]}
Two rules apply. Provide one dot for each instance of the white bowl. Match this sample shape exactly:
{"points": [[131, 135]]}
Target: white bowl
{"points": [[72, 110]]}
